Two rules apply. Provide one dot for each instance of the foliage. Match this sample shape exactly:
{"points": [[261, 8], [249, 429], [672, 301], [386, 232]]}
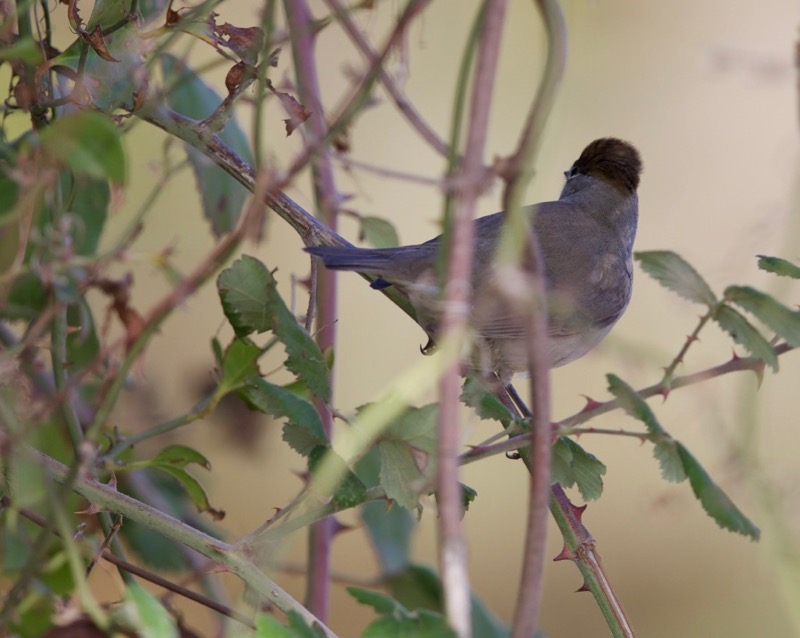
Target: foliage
{"points": [[71, 459]]}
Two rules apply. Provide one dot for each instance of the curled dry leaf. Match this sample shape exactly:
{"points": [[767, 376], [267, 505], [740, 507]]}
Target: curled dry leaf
{"points": [[96, 40]]}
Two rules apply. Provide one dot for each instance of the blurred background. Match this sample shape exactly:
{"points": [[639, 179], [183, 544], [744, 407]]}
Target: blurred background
{"points": [[708, 93]]}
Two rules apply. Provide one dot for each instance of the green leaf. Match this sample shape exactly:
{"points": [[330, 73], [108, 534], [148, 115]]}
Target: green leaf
{"points": [[251, 302], [400, 475], [87, 201], [634, 405], [350, 491], [573, 465], [193, 488], [83, 346], [223, 197], [378, 232], [743, 333], [24, 50], [468, 496], [487, 406], [381, 603], [303, 430], [89, 143], [152, 618], [673, 272], [424, 624], [389, 527], [269, 627], [238, 365], [417, 427], [180, 456], [779, 266], [785, 322], [666, 452], [714, 501]]}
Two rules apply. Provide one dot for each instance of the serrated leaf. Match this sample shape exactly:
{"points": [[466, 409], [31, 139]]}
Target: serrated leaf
{"points": [[89, 143], [389, 528], [223, 197], [783, 321], [778, 266], [485, 403], [193, 488], [251, 302], [743, 333], [303, 430], [675, 273], [400, 476], [379, 232], [238, 365], [468, 496], [666, 453], [152, 619], [351, 490], [572, 465], [714, 501], [417, 427], [634, 405], [180, 456]]}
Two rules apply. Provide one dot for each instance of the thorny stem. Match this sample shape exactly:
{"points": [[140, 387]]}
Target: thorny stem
{"points": [[300, 23]]}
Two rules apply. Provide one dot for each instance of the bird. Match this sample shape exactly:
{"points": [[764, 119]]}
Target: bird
{"points": [[586, 241]]}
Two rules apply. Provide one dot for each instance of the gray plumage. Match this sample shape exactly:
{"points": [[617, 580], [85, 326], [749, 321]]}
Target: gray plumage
{"points": [[586, 238]]}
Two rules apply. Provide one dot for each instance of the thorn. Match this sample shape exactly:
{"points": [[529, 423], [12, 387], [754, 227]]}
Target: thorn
{"points": [[582, 588], [564, 554], [339, 527], [591, 404], [577, 511], [692, 338], [304, 475], [759, 370], [735, 357], [664, 391]]}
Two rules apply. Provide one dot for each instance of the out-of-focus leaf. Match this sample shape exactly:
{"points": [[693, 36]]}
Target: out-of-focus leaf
{"points": [[714, 501], [400, 476], [152, 619], [222, 196], [27, 299], [423, 624], [24, 50], [468, 496], [379, 232], [251, 302], [350, 491], [381, 603], [238, 365], [666, 452], [88, 202], [181, 456], [485, 403], [785, 322], [778, 266], [89, 143], [675, 273], [743, 333], [303, 430], [193, 489], [389, 527], [83, 346], [572, 465]]}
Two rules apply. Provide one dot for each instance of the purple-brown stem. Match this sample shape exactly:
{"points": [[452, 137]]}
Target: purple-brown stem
{"points": [[303, 39], [457, 295]]}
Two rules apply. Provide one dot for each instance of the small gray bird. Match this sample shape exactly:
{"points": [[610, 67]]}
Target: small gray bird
{"points": [[586, 239]]}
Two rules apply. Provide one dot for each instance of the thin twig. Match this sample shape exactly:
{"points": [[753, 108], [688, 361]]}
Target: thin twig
{"points": [[457, 297], [342, 14], [520, 165]]}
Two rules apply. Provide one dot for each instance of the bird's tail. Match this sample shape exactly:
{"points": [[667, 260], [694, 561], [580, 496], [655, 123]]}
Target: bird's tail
{"points": [[352, 258]]}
